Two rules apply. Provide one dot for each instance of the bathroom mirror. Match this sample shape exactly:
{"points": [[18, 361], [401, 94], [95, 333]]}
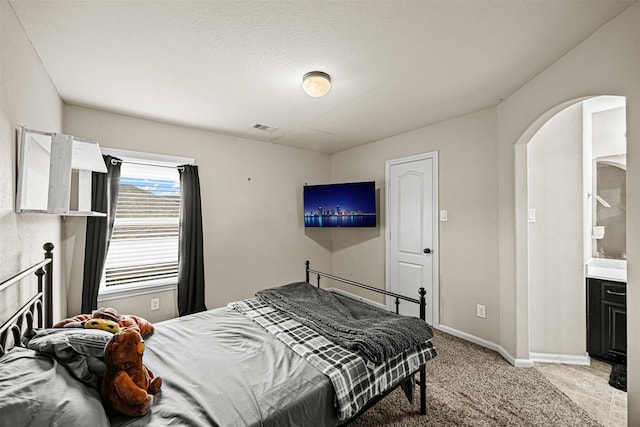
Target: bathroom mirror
{"points": [[609, 177], [611, 207]]}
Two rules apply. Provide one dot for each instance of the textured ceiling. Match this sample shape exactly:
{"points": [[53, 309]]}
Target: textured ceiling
{"points": [[226, 65]]}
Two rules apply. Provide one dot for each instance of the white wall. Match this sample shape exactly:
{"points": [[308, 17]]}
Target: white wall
{"points": [[251, 200], [27, 97], [468, 179], [609, 128], [606, 63], [556, 269]]}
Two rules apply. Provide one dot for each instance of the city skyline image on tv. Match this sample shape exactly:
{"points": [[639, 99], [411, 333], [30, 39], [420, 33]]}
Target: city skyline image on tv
{"points": [[340, 205]]}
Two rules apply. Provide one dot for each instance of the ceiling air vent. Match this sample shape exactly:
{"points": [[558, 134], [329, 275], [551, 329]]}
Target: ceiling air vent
{"points": [[265, 128]]}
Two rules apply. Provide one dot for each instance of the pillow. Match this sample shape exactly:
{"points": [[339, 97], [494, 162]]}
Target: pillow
{"points": [[35, 390], [78, 350]]}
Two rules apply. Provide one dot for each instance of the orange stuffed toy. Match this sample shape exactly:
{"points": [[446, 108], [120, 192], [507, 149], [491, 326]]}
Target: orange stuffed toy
{"points": [[128, 385]]}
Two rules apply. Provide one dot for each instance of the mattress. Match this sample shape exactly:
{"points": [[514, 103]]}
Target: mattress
{"points": [[221, 369]]}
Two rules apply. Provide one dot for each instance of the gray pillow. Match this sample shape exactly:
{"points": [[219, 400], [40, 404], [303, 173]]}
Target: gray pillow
{"points": [[35, 390], [79, 350]]}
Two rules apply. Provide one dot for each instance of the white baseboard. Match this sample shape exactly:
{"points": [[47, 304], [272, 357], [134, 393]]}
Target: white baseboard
{"points": [[519, 363], [357, 297], [566, 359]]}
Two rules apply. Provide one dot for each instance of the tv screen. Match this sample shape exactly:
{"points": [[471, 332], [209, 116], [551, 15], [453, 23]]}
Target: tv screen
{"points": [[340, 205]]}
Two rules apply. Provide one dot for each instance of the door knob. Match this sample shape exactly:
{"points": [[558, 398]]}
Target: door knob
{"points": [[427, 251]]}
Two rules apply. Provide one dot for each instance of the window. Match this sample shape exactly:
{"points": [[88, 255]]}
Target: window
{"points": [[143, 253]]}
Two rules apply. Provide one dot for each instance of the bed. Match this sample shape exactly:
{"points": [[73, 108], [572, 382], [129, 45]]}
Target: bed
{"points": [[245, 364]]}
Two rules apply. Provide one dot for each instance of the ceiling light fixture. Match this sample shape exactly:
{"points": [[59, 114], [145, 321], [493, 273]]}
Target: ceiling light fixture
{"points": [[316, 83]]}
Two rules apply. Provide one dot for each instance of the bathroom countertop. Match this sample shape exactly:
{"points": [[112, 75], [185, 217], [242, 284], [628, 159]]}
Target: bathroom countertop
{"points": [[608, 269]]}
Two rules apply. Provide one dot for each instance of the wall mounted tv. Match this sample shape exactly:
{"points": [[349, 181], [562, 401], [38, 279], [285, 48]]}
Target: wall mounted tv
{"points": [[340, 205]]}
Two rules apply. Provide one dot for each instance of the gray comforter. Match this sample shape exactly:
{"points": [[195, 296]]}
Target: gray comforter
{"points": [[36, 391], [221, 369], [375, 333]]}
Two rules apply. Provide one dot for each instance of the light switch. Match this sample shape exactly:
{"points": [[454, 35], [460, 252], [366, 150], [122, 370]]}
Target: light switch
{"points": [[443, 215], [531, 215]]}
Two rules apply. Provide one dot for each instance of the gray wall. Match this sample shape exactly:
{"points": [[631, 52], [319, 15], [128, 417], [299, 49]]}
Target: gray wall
{"points": [[468, 190], [606, 63], [251, 204], [556, 268], [27, 97]]}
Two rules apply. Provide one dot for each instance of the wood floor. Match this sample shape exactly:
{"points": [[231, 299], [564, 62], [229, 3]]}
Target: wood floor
{"points": [[589, 387]]}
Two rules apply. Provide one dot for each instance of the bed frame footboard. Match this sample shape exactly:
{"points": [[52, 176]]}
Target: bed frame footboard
{"points": [[420, 301]]}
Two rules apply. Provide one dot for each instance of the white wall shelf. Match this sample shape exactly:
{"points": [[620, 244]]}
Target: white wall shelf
{"points": [[54, 173]]}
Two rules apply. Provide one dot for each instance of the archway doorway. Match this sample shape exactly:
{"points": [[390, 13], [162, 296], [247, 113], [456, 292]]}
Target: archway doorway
{"points": [[561, 213]]}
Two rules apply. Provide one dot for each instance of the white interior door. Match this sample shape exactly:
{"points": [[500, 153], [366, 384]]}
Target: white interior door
{"points": [[412, 232]]}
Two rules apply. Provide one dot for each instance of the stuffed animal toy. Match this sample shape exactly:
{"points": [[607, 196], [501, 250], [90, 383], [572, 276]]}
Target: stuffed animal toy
{"points": [[128, 386], [103, 324], [123, 320]]}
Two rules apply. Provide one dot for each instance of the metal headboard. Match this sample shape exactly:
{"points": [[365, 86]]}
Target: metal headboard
{"points": [[421, 302], [39, 305]]}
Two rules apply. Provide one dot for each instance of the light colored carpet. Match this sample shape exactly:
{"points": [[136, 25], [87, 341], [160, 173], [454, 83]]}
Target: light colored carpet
{"points": [[469, 385]]}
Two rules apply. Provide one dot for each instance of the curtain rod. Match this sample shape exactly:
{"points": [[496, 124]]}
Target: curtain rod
{"points": [[134, 162]]}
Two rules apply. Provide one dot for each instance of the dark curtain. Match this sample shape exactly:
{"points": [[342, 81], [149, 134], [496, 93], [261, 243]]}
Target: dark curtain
{"points": [[191, 256], [104, 195]]}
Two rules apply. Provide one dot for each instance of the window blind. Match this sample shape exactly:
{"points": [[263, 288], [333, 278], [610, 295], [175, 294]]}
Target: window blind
{"points": [[144, 243]]}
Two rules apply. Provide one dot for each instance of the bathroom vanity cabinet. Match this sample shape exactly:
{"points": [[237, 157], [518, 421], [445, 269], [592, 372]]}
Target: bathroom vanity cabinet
{"points": [[607, 320]]}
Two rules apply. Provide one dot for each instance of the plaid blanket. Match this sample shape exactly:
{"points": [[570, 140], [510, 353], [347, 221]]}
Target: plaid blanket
{"points": [[354, 380]]}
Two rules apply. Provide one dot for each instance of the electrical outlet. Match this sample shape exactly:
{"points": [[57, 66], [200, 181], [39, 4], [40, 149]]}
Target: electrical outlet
{"points": [[481, 311], [155, 303]]}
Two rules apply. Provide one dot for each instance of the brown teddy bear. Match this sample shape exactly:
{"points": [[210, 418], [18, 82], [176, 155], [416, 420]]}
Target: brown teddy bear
{"points": [[128, 385]]}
